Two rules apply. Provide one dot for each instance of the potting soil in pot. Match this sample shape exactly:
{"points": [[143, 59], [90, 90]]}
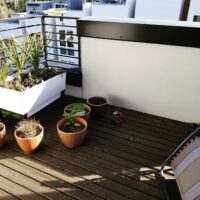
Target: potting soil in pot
{"points": [[98, 101], [98, 105], [72, 128]]}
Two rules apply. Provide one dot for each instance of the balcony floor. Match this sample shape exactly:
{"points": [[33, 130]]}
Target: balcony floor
{"points": [[115, 162]]}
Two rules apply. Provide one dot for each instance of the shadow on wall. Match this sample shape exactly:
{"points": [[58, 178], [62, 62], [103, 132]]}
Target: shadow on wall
{"points": [[117, 100]]}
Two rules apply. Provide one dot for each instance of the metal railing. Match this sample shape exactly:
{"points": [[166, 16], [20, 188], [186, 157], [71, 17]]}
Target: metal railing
{"points": [[61, 49]]}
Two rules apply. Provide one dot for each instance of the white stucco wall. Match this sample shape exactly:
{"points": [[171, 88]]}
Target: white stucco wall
{"points": [[161, 80], [114, 10], [194, 9], [159, 9]]}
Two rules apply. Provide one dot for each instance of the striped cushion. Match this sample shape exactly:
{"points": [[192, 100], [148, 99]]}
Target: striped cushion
{"points": [[186, 167]]}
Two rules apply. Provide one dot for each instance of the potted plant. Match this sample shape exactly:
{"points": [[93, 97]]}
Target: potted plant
{"points": [[79, 110], [117, 116], [31, 88], [71, 130], [98, 106], [2, 134], [29, 134]]}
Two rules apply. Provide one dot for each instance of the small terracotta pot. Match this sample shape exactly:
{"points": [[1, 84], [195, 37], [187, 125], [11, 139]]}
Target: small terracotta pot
{"points": [[72, 140], [117, 117], [29, 145], [2, 135], [86, 116]]}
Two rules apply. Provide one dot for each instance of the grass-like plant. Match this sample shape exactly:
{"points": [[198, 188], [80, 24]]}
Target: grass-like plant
{"points": [[17, 53], [4, 72], [36, 43], [4, 66], [36, 49]]}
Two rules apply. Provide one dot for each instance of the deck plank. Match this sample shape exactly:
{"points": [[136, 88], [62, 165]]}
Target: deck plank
{"points": [[114, 162], [105, 161], [130, 132], [71, 175], [16, 189], [46, 179], [29, 183], [107, 172], [6, 195]]}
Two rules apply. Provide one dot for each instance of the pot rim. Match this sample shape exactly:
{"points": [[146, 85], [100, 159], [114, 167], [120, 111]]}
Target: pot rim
{"points": [[70, 133], [97, 105], [41, 132]]}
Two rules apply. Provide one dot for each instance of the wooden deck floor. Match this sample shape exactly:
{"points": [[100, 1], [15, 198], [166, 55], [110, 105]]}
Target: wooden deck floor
{"points": [[116, 162]]}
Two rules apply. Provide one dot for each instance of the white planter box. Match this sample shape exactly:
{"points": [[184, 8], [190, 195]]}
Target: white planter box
{"points": [[34, 99]]}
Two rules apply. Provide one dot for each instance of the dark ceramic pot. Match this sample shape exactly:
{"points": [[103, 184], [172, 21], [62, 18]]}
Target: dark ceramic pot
{"points": [[98, 106]]}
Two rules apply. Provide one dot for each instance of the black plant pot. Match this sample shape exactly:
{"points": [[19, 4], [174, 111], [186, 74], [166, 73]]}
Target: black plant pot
{"points": [[98, 106]]}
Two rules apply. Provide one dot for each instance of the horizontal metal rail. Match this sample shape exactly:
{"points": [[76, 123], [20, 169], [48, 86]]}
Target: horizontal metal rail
{"points": [[62, 17], [61, 55], [63, 62], [51, 47], [53, 40], [19, 18], [55, 25], [21, 27], [57, 33]]}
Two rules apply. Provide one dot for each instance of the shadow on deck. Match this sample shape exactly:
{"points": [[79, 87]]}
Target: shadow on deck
{"points": [[115, 162]]}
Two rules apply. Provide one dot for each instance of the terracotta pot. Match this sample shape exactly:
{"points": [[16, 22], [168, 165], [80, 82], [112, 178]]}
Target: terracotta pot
{"points": [[117, 117], [2, 135], [28, 145], [86, 116], [72, 140]]}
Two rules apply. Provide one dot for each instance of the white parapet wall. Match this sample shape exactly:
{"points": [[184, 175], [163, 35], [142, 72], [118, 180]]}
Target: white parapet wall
{"points": [[158, 79]]}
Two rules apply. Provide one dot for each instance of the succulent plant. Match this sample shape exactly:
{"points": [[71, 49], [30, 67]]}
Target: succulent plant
{"points": [[76, 109], [28, 128], [1, 126]]}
